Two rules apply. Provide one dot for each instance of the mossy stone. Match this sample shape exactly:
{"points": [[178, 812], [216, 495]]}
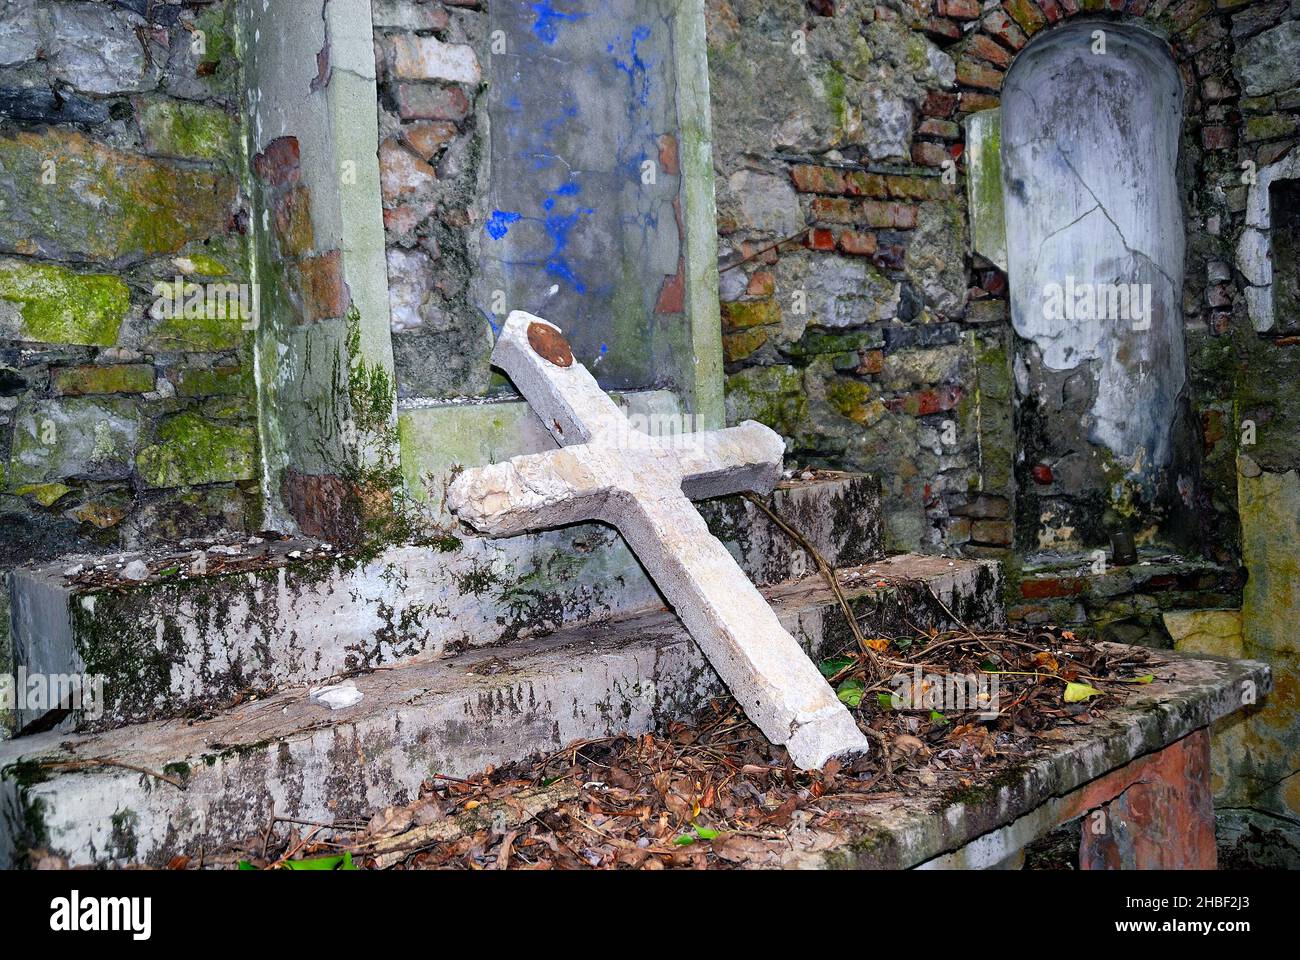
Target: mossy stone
{"points": [[189, 449], [47, 303], [191, 131]]}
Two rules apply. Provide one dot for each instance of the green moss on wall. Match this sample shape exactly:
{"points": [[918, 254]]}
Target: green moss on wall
{"points": [[190, 450], [58, 305]]}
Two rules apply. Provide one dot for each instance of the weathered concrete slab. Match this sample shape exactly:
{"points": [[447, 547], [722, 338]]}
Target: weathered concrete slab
{"points": [[171, 646], [453, 716]]}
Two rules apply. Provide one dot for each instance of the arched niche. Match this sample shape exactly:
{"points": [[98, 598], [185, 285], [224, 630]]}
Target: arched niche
{"points": [[1091, 117]]}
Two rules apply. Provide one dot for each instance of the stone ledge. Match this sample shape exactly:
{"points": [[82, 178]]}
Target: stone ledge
{"points": [[173, 646], [451, 716]]}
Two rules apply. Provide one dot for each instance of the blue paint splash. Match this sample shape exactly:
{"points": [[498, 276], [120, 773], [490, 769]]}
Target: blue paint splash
{"points": [[498, 225], [545, 27], [637, 70]]}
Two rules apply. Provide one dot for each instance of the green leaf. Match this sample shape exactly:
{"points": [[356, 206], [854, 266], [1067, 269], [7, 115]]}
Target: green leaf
{"points": [[937, 717], [245, 865], [903, 642], [850, 692], [706, 833], [1145, 678], [322, 863], [886, 700], [685, 840], [1075, 692], [834, 665]]}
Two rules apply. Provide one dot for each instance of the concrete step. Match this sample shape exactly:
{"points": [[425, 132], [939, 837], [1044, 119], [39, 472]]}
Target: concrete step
{"points": [[148, 792], [289, 612]]}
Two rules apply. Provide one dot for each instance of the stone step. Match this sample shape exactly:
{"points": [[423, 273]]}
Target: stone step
{"points": [[293, 613], [148, 792]]}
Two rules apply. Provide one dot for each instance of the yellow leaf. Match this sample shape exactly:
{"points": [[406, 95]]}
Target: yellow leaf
{"points": [[878, 644], [1074, 692]]}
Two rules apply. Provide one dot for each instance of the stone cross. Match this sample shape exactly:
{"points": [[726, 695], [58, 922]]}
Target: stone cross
{"points": [[642, 485]]}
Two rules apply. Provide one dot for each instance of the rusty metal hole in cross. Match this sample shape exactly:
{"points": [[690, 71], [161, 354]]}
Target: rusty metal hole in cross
{"points": [[548, 342]]}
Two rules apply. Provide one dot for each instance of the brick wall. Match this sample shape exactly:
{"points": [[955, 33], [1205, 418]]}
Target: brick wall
{"points": [[854, 336], [432, 138]]}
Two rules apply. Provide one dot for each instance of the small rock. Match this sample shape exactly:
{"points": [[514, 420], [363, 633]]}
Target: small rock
{"points": [[136, 570], [338, 696]]}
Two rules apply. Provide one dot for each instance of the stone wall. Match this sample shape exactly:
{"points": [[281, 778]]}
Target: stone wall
{"points": [[867, 338], [121, 422], [858, 324], [433, 135]]}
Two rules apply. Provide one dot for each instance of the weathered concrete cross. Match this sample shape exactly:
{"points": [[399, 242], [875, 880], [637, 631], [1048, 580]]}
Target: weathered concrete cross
{"points": [[640, 484]]}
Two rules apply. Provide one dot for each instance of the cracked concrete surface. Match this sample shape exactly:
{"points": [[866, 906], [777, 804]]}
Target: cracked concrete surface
{"points": [[1089, 146]]}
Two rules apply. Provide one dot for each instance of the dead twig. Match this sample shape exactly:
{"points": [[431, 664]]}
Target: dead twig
{"points": [[828, 573]]}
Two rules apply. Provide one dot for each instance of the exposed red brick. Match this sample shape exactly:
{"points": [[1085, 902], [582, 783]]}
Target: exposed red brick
{"points": [[672, 295], [997, 24], [939, 103], [1026, 14], [428, 137], [1042, 588], [278, 164], [762, 283], [809, 178], [1052, 9], [872, 361], [331, 508], [422, 101], [821, 239], [973, 101], [958, 9], [833, 210], [940, 27], [668, 161], [930, 154], [976, 73], [859, 183], [858, 244], [324, 294], [983, 46], [293, 224], [1166, 801]]}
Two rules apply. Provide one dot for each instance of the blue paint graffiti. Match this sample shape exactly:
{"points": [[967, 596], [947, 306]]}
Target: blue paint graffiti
{"points": [[545, 28], [498, 225], [637, 70]]}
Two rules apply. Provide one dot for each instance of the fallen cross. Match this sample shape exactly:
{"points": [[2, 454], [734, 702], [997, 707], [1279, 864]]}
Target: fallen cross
{"points": [[643, 486]]}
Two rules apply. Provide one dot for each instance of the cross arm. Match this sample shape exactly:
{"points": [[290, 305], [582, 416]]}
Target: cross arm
{"points": [[529, 492], [715, 463]]}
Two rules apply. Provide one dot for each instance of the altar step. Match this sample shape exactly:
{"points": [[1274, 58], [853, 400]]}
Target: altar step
{"points": [[267, 615], [150, 791]]}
